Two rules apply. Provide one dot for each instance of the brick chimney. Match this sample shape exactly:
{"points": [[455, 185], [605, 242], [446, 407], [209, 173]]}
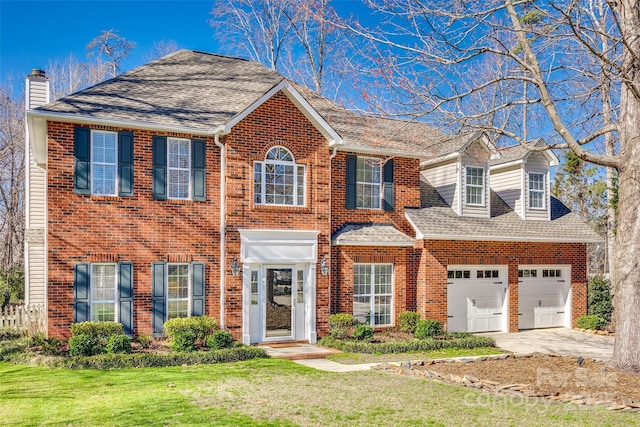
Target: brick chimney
{"points": [[37, 89]]}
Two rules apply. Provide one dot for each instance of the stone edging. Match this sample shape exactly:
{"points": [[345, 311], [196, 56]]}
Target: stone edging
{"points": [[507, 389], [595, 332]]}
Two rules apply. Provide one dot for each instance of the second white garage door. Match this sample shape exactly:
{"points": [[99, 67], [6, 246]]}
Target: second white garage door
{"points": [[544, 298], [476, 300]]}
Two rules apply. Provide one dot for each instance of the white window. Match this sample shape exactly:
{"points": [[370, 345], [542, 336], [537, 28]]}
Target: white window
{"points": [[373, 294], [475, 186], [104, 167], [278, 180], [369, 183], [103, 292], [177, 290], [536, 190], [179, 168]]}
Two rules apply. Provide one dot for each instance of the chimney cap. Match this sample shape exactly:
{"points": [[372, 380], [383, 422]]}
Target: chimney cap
{"points": [[35, 72]]}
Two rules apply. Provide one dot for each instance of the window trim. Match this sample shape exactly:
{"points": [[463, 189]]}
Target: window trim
{"points": [[116, 314], [379, 184], [93, 162], [189, 169], [263, 179], [543, 191], [372, 295], [189, 289], [483, 187]]}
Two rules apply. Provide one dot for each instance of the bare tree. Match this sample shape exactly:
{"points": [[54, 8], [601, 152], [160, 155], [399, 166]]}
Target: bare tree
{"points": [[160, 49], [112, 47], [431, 49], [70, 75], [11, 180]]}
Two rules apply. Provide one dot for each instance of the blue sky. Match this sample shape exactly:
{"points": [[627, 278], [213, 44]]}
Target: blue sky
{"points": [[34, 32]]}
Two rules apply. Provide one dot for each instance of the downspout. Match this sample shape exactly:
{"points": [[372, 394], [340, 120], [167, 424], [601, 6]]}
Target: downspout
{"points": [[223, 211], [331, 156]]}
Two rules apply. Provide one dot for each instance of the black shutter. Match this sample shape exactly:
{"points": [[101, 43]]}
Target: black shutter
{"points": [[160, 167], [125, 163], [352, 171], [197, 291], [125, 296], [158, 297], [388, 186], [81, 302], [198, 174], [82, 160]]}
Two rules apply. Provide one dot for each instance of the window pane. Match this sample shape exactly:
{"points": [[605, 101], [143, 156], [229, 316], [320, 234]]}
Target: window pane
{"points": [[257, 182], [373, 293], [179, 170], [475, 186], [103, 292], [177, 290], [368, 184], [103, 154]]}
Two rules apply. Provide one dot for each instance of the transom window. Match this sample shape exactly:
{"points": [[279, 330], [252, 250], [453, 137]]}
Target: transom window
{"points": [[475, 186], [373, 293], [536, 190], [278, 180], [551, 273], [487, 274], [104, 168], [103, 292], [527, 273], [179, 167], [459, 274], [369, 183], [177, 290]]}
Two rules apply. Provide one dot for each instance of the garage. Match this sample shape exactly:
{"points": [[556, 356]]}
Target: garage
{"points": [[544, 296], [477, 298]]}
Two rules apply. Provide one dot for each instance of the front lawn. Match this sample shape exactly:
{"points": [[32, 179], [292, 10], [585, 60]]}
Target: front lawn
{"points": [[263, 392], [347, 358]]}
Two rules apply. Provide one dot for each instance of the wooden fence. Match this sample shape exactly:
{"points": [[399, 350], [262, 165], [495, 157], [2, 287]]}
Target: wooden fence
{"points": [[25, 318]]}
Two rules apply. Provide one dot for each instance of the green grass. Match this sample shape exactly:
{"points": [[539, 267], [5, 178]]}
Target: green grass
{"points": [[355, 358], [264, 392]]}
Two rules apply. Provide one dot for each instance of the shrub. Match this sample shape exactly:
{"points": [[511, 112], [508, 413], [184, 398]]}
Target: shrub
{"points": [[38, 339], [10, 348], [201, 326], [8, 334], [599, 298], [340, 325], [144, 340], [184, 341], [363, 333], [51, 346], [84, 345], [407, 321], [591, 322], [220, 340], [427, 328], [118, 344], [393, 347], [98, 330]]}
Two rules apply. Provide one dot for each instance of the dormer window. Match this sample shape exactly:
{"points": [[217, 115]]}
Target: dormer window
{"points": [[475, 186], [278, 180], [536, 190]]}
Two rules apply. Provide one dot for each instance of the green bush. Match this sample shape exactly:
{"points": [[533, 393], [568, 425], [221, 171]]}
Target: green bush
{"points": [[9, 348], [427, 328], [220, 340], [98, 330], [407, 321], [591, 322], [118, 344], [85, 345], [144, 340], [201, 326], [52, 346], [7, 334], [599, 298], [341, 325], [363, 333], [147, 360], [38, 339], [393, 347], [184, 341]]}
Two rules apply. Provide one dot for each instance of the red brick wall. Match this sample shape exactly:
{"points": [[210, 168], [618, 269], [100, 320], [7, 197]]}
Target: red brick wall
{"points": [[431, 295], [83, 228], [277, 122]]}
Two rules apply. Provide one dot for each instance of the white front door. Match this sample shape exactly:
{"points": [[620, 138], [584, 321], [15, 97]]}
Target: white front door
{"points": [[277, 310]]}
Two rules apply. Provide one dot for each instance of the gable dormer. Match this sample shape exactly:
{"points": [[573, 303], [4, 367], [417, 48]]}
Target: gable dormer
{"points": [[521, 178], [461, 177]]}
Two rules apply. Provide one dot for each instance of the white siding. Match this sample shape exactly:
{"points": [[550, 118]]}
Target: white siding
{"points": [[475, 156], [35, 280], [537, 162], [36, 255], [507, 183], [444, 178], [37, 93]]}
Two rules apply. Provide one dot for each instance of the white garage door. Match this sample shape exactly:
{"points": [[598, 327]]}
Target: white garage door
{"points": [[544, 299], [476, 300]]}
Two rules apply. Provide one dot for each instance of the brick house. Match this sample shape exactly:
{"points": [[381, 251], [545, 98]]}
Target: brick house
{"points": [[204, 184]]}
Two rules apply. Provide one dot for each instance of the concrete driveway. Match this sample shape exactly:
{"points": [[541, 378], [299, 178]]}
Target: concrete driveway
{"points": [[558, 340]]}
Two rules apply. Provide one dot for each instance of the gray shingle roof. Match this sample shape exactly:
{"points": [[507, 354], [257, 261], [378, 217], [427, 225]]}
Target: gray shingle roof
{"points": [[370, 234], [436, 220], [514, 152], [203, 91]]}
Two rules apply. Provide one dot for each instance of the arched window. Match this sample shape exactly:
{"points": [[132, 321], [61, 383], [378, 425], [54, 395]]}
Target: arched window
{"points": [[278, 180]]}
